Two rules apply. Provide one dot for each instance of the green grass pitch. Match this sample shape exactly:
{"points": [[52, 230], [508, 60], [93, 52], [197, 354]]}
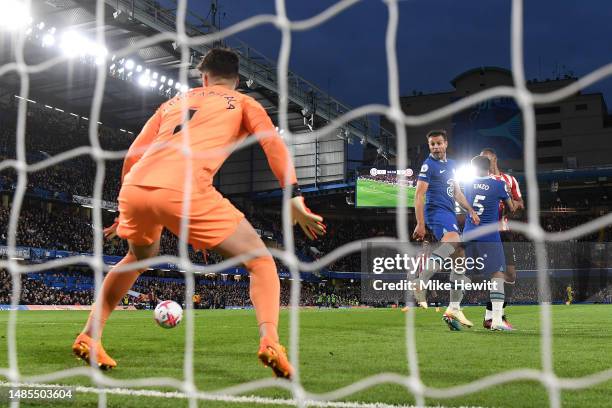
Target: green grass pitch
{"points": [[337, 347], [372, 193]]}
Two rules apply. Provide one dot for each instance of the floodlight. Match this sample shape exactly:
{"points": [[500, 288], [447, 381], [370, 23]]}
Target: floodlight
{"points": [[48, 40], [143, 80], [15, 15]]}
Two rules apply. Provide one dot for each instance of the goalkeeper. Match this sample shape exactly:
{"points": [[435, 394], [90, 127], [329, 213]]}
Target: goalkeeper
{"points": [[151, 198]]}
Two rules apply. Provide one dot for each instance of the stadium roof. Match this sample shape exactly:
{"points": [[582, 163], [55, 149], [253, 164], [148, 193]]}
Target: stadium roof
{"points": [[479, 70], [70, 85]]}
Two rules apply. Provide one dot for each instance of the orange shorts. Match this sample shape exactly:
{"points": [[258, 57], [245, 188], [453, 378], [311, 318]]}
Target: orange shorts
{"points": [[145, 211]]}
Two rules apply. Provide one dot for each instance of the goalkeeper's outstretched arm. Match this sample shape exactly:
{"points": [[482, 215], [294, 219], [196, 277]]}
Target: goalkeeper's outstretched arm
{"points": [[258, 122]]}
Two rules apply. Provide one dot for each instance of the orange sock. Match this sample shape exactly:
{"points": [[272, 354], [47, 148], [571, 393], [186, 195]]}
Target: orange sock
{"points": [[265, 294], [114, 287]]}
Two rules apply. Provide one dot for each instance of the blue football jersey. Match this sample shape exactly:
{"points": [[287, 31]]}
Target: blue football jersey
{"points": [[440, 195], [484, 194]]}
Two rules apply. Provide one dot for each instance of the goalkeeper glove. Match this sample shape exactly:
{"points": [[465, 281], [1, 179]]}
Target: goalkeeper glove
{"points": [[111, 232], [311, 224]]}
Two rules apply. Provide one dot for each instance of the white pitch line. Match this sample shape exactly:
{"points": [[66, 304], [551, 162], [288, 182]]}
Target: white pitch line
{"points": [[216, 397]]}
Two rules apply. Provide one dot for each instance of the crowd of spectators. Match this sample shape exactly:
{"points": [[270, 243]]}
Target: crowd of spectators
{"points": [[67, 228], [72, 177], [602, 296], [214, 292], [48, 133], [36, 292]]}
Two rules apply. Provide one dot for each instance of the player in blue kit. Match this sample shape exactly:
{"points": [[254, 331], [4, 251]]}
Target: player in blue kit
{"points": [[437, 191], [485, 193]]}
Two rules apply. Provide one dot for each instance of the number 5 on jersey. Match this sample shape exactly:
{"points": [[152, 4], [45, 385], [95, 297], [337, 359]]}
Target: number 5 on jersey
{"points": [[477, 205]]}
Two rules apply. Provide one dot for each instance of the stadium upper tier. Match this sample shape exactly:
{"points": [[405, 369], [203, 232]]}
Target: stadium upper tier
{"points": [[141, 73]]}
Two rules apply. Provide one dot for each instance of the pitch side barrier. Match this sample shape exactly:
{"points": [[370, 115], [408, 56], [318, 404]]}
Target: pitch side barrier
{"points": [[41, 255], [57, 307]]}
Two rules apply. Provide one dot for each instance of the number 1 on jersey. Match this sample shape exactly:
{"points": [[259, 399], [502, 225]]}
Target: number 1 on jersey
{"points": [[179, 127]]}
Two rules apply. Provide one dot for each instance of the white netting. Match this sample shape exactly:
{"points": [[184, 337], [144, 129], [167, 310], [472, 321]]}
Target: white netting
{"points": [[301, 397]]}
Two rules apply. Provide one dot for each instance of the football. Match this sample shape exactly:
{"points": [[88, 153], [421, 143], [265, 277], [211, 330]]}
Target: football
{"points": [[168, 314]]}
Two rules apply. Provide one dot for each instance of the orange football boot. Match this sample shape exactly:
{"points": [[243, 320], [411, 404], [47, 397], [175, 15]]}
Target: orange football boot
{"points": [[82, 347], [274, 355]]}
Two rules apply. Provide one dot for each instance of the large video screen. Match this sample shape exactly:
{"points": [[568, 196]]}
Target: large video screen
{"points": [[493, 123], [379, 187]]}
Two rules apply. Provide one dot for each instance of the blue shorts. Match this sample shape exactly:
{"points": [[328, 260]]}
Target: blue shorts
{"points": [[488, 256], [441, 223]]}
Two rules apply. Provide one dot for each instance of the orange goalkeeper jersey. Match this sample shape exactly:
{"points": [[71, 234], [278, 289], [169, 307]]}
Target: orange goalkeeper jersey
{"points": [[218, 119]]}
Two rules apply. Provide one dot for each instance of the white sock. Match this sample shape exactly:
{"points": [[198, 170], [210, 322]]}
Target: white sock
{"points": [[456, 295], [488, 314], [497, 312], [497, 295]]}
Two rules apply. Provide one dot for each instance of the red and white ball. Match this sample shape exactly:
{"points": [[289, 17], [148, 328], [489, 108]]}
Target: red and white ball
{"points": [[168, 314]]}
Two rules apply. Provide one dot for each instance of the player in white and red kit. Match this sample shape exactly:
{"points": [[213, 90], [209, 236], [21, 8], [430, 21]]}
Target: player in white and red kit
{"points": [[506, 236]]}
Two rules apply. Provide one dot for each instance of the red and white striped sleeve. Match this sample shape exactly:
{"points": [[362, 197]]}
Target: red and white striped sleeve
{"points": [[515, 190]]}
